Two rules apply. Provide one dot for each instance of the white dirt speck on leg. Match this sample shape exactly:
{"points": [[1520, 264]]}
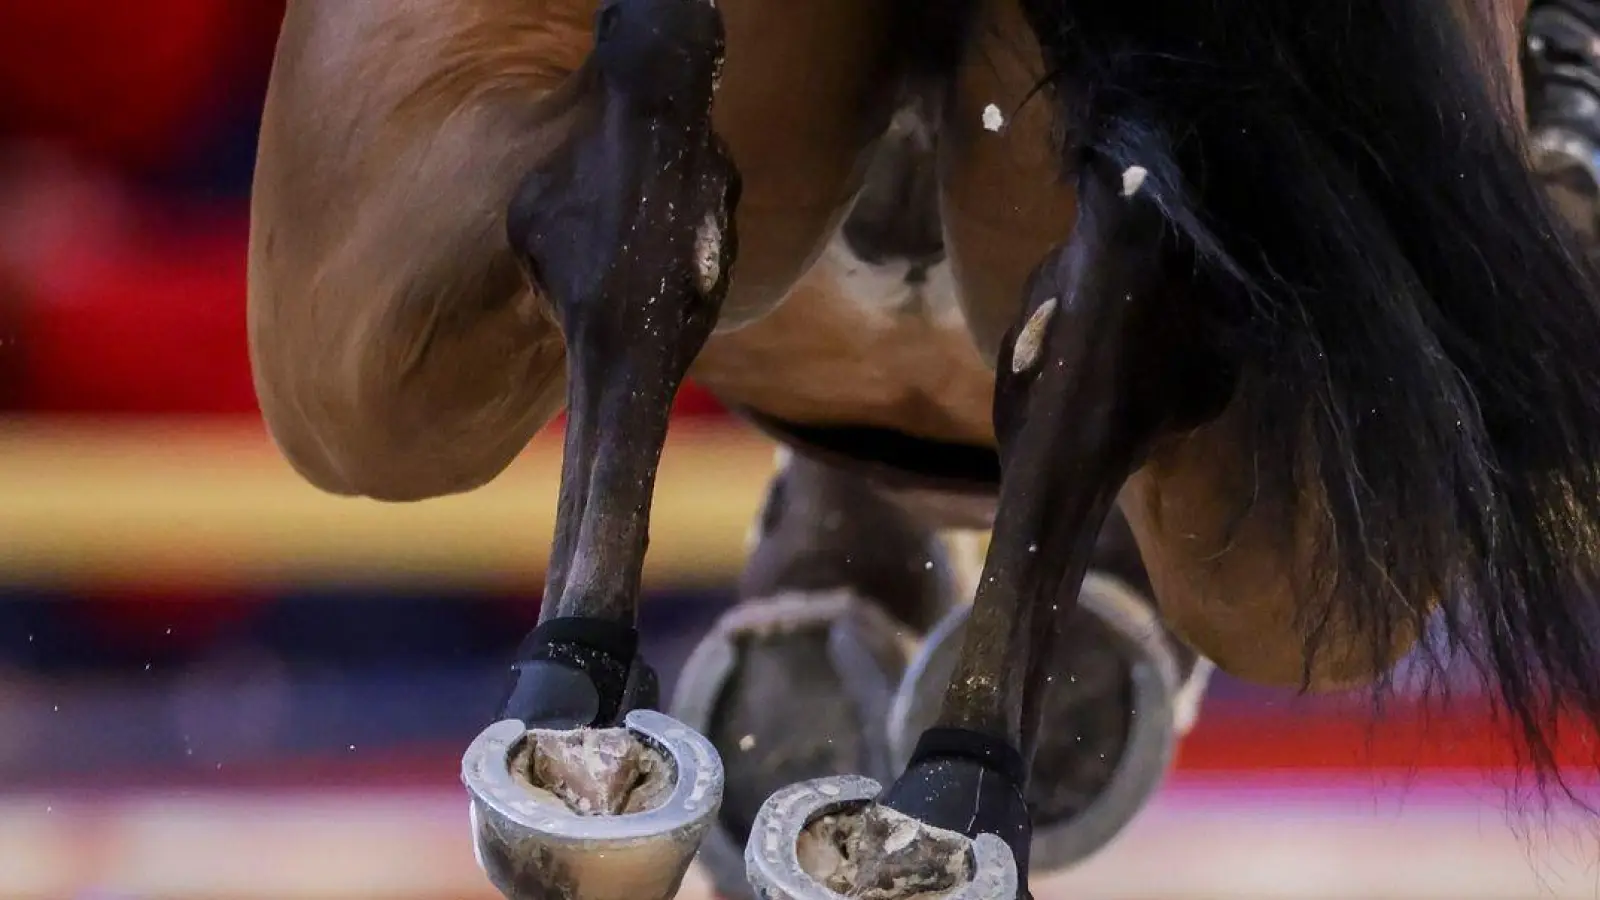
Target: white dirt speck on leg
{"points": [[1132, 179], [708, 254], [993, 119], [1030, 340]]}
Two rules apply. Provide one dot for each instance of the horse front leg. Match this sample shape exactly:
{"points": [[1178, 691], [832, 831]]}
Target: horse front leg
{"points": [[1100, 366], [1124, 691], [581, 792]]}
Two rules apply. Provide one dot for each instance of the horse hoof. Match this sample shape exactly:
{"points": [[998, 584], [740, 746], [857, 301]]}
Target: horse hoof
{"points": [[591, 814], [829, 660], [824, 838], [1110, 719]]}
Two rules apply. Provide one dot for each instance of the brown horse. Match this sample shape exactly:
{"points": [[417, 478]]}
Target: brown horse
{"points": [[1301, 314]]}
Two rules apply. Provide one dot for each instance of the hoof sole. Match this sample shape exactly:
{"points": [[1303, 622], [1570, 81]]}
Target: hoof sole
{"points": [[773, 854], [536, 846]]}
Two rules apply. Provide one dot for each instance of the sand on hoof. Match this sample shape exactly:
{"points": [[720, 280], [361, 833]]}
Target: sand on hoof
{"points": [[593, 771], [874, 853]]}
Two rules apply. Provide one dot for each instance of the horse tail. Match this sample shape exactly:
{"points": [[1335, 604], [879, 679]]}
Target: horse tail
{"points": [[1418, 332]]}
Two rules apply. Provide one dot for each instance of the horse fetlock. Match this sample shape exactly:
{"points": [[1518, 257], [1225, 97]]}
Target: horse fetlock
{"points": [[844, 835], [576, 672], [614, 813]]}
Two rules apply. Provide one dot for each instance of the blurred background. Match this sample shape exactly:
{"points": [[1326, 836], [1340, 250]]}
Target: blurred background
{"points": [[216, 683]]}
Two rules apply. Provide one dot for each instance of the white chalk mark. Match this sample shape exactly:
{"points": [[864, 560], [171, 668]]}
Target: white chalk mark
{"points": [[993, 119], [1030, 340], [1132, 179], [708, 254]]}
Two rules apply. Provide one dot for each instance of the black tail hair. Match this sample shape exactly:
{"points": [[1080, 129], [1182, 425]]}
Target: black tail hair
{"points": [[1419, 332]]}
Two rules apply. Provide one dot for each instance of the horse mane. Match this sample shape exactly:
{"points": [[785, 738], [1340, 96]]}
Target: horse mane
{"points": [[1418, 332]]}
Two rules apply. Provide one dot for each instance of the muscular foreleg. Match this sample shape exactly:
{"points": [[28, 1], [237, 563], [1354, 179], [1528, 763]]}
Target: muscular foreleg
{"points": [[1099, 367], [627, 230]]}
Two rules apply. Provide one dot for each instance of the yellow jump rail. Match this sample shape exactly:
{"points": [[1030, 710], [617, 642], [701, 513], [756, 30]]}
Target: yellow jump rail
{"points": [[200, 503]]}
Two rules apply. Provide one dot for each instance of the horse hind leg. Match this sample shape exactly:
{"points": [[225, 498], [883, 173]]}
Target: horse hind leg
{"points": [[581, 791], [1101, 366], [840, 582]]}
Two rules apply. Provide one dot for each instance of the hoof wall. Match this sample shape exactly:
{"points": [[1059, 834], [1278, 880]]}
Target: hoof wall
{"points": [[823, 839], [591, 814]]}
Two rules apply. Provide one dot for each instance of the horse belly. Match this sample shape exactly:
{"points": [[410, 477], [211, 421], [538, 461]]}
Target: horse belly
{"points": [[854, 344]]}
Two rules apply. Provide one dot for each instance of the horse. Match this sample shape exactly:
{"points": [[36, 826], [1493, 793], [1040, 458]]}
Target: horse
{"points": [[1244, 327]]}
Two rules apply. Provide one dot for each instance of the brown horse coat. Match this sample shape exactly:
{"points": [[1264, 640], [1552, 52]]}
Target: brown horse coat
{"points": [[400, 354]]}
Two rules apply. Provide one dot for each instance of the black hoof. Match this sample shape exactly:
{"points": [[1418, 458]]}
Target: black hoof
{"points": [[827, 838], [788, 689], [591, 814], [1110, 721]]}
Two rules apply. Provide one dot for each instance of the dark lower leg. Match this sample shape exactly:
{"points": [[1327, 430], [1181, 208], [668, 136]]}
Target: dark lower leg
{"points": [[823, 528], [1087, 381], [831, 554], [627, 233]]}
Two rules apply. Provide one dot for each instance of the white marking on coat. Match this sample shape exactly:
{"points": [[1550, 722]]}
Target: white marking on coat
{"points": [[1132, 179], [1030, 340]]}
